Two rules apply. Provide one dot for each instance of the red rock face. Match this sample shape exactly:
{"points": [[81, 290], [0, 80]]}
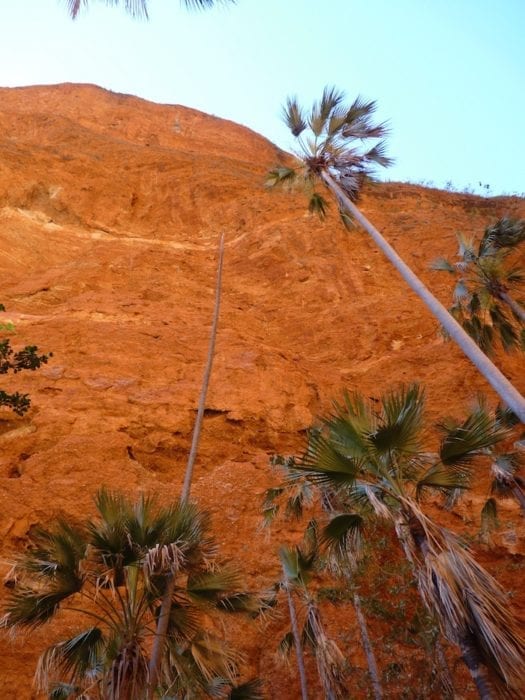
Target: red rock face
{"points": [[111, 210]]}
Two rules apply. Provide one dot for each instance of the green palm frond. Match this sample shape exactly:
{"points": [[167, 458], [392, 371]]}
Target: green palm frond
{"points": [[317, 204], [489, 516], [250, 690], [444, 265], [64, 691], [294, 117], [27, 607], [324, 464], [342, 539], [73, 658], [55, 554], [444, 478], [280, 176], [505, 233], [289, 557], [323, 110], [377, 154], [184, 623], [211, 586], [463, 441], [350, 425], [401, 421]]}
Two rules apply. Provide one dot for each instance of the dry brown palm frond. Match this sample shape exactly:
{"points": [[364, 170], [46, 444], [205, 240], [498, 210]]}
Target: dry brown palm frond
{"points": [[329, 658], [468, 602]]}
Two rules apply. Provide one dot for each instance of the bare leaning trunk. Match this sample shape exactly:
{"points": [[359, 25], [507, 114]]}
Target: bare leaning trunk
{"points": [[205, 380], [507, 392], [165, 609], [516, 308], [369, 652]]}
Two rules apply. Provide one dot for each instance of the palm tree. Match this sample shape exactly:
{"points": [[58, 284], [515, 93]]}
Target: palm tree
{"points": [[485, 282], [113, 571], [139, 8], [372, 456], [330, 152], [298, 564]]}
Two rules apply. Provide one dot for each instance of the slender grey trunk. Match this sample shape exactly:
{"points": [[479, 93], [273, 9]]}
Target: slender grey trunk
{"points": [[297, 638], [205, 380], [369, 652], [517, 309], [507, 392], [165, 609]]}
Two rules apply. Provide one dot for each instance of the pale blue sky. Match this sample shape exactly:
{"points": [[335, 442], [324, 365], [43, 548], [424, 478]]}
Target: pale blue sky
{"points": [[448, 74]]}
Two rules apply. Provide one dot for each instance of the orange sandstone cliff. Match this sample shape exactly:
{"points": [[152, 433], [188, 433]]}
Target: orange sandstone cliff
{"points": [[111, 209]]}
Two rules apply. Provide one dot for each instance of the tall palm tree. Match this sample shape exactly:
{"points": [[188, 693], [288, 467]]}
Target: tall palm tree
{"points": [[484, 301], [330, 140], [372, 455], [298, 564], [112, 571], [139, 8], [317, 552]]}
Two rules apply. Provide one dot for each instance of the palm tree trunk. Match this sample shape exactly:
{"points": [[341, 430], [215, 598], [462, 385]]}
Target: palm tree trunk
{"points": [[205, 380], [165, 609], [369, 652], [476, 668], [516, 308], [507, 392], [297, 639]]}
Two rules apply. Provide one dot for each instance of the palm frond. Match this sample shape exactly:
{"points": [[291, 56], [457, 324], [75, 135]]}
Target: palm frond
{"points": [[505, 233], [250, 690], [286, 645], [342, 538], [444, 478], [317, 204], [214, 658], [64, 691], [489, 516], [211, 586], [324, 464], [401, 421], [377, 154], [444, 265], [294, 116], [329, 658], [470, 605], [324, 109], [75, 658], [280, 176], [462, 442]]}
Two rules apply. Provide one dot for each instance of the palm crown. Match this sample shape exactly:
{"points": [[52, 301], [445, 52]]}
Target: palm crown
{"points": [[372, 457], [139, 8], [113, 571], [485, 279], [333, 138]]}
